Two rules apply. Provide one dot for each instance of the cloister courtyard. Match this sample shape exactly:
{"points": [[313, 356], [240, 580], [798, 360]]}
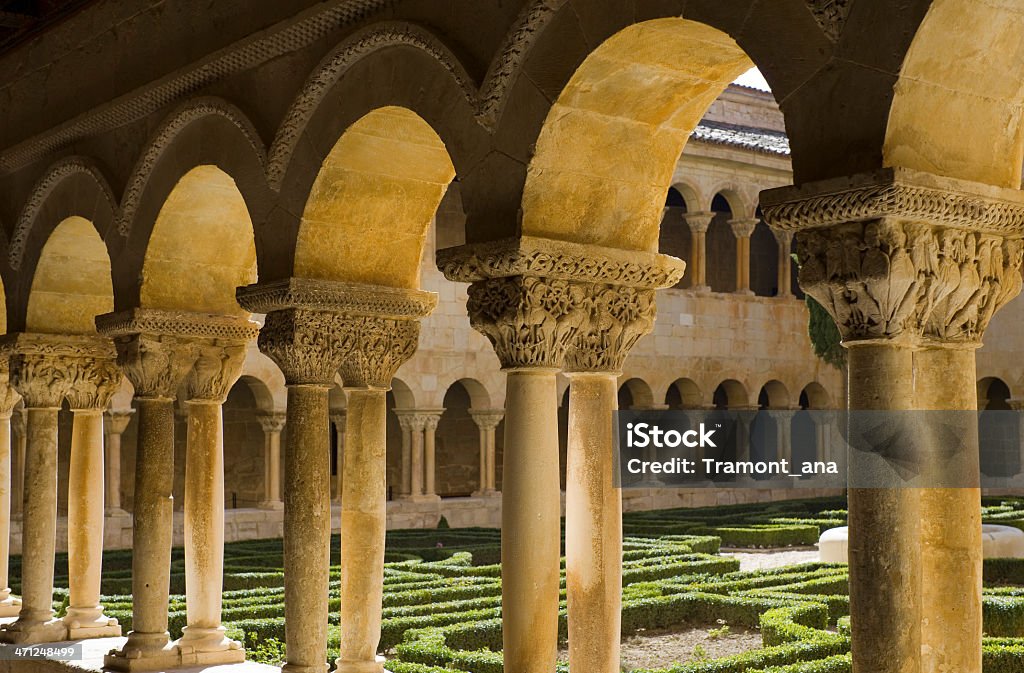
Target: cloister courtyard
{"points": [[317, 315]]}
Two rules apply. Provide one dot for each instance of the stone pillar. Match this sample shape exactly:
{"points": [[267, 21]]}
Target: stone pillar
{"points": [[89, 395], [431, 419], [784, 434], [338, 423], [272, 424], [416, 424], [312, 329], [487, 420], [619, 316], [114, 425], [19, 439], [385, 342], [156, 363], [10, 605], [203, 640], [405, 470], [530, 297], [912, 267], [785, 241], [742, 229], [42, 370], [698, 223]]}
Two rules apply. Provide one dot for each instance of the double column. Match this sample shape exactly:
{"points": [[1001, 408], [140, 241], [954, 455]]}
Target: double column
{"points": [[486, 421], [911, 267], [272, 424], [532, 298], [418, 428], [46, 370], [698, 223], [313, 330]]}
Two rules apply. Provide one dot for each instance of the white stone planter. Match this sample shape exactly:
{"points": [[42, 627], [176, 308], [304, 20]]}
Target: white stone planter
{"points": [[997, 542]]}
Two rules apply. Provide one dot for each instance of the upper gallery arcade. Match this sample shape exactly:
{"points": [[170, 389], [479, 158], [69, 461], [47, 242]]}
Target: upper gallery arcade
{"points": [[168, 171]]}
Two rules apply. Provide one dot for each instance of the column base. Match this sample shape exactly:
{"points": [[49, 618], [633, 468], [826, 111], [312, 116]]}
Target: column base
{"points": [[202, 645], [349, 666], [20, 633], [99, 626], [296, 668], [271, 504], [130, 658], [10, 606]]}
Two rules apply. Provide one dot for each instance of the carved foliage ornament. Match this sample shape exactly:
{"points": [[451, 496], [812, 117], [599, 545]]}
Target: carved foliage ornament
{"points": [[307, 345], [156, 364], [45, 369], [830, 15], [376, 348], [886, 279], [618, 317], [216, 369]]}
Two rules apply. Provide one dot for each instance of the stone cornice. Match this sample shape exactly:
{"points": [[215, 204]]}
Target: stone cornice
{"points": [[181, 324], [900, 193], [337, 297], [77, 345], [558, 260]]}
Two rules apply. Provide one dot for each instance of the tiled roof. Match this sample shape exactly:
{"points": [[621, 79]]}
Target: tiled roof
{"points": [[745, 137]]}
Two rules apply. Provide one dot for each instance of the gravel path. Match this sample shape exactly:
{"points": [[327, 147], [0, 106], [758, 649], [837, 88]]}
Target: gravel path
{"points": [[772, 559]]}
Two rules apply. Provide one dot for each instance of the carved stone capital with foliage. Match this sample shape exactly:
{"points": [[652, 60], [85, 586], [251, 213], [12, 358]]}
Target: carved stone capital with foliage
{"points": [[377, 347], [306, 344], [698, 222], [537, 300], [216, 369], [487, 419], [272, 421], [47, 368], [617, 317], [905, 266]]}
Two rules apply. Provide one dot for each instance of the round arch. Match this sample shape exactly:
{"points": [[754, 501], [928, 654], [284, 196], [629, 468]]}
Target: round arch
{"points": [[638, 392], [773, 395], [814, 396], [684, 394], [731, 394]]}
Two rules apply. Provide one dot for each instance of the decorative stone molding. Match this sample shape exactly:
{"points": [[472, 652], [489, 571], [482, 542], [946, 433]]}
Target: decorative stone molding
{"points": [[157, 349], [57, 173], [272, 421], [487, 419], [289, 37], [164, 138], [116, 421], [356, 47], [784, 238], [47, 368], [618, 317], [896, 192], [743, 227], [432, 419], [315, 328], [216, 369], [698, 222], [830, 15], [531, 297], [911, 275], [558, 260]]}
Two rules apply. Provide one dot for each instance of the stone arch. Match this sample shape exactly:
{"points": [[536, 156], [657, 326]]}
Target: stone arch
{"points": [[244, 441], [674, 236], [403, 394], [639, 393], [458, 439], [741, 206], [479, 396], [963, 70], [692, 195], [764, 261], [365, 220], [998, 429], [260, 391], [71, 281], [684, 394], [814, 396], [72, 186], [773, 395], [993, 394], [201, 247], [731, 394]]}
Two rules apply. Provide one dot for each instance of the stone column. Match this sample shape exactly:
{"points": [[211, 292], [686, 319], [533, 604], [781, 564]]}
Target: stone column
{"points": [[382, 342], [530, 297], [416, 424], [272, 424], [431, 419], [156, 363], [42, 370], [619, 316], [912, 267], [19, 439], [114, 425], [785, 241], [405, 467], [10, 605], [312, 329], [487, 420], [338, 423], [94, 384], [203, 640], [784, 434], [698, 223], [742, 229]]}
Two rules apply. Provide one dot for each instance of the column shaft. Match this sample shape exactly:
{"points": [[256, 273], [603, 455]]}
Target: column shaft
{"points": [[85, 618], [743, 264], [19, 441], [885, 557], [363, 527], [951, 546], [405, 485], [429, 456], [307, 529], [698, 264], [593, 527], [484, 430], [492, 462], [9, 606], [113, 471], [530, 522], [416, 462]]}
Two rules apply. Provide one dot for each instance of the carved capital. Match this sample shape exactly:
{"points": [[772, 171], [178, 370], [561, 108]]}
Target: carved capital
{"points": [[431, 421], [271, 421], [46, 368], [307, 345], [698, 222], [909, 264], [487, 419], [116, 422], [785, 238], [617, 318], [8, 395], [156, 365], [378, 346], [338, 419], [743, 227], [216, 369]]}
